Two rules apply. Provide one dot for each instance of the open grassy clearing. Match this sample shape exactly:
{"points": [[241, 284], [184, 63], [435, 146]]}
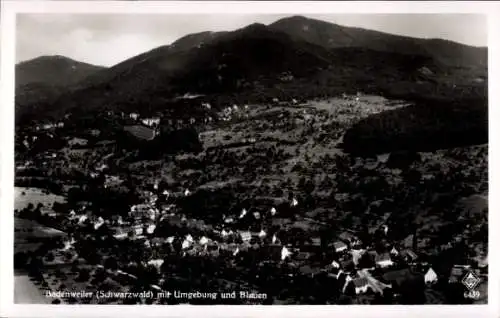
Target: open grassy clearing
{"points": [[25, 196]]}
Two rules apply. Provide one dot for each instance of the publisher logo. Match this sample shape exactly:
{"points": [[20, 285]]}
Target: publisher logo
{"points": [[471, 280]]}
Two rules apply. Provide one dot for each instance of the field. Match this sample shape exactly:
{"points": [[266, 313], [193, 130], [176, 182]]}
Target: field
{"points": [[289, 137], [27, 234], [25, 196], [26, 292], [140, 132]]}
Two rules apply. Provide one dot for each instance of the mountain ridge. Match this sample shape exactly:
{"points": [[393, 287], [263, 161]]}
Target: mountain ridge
{"points": [[333, 35], [228, 63], [53, 70]]}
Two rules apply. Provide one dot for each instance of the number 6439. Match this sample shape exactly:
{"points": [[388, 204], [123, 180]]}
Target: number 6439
{"points": [[473, 294]]}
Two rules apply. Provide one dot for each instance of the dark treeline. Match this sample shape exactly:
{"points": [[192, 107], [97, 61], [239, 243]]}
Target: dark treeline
{"points": [[168, 142], [425, 126]]}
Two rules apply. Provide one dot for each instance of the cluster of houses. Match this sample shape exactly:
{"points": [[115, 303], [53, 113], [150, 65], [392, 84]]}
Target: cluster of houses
{"points": [[227, 113], [49, 126], [354, 264], [148, 121], [224, 241]]}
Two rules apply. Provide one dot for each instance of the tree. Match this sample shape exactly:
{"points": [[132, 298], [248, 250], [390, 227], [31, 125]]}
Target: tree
{"points": [[50, 257], [413, 177], [83, 275], [111, 263], [366, 261], [20, 260], [74, 266]]}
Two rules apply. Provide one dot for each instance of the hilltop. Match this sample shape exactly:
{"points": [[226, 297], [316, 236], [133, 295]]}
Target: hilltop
{"points": [[43, 79], [54, 70], [331, 35]]}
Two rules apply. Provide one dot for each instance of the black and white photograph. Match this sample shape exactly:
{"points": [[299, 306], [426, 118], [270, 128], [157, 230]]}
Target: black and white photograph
{"points": [[250, 158]]}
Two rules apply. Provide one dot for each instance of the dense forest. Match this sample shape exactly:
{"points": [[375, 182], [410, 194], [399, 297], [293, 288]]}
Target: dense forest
{"points": [[425, 126]]}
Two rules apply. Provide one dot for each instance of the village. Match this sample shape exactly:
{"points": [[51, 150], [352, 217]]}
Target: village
{"points": [[268, 207]]}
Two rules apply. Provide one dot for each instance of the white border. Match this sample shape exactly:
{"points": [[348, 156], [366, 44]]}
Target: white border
{"points": [[8, 12]]}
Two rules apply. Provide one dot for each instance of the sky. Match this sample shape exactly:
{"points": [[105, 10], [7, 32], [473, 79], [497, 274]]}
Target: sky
{"points": [[107, 39]]}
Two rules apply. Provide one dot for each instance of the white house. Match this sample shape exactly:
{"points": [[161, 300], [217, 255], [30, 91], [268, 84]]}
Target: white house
{"points": [[361, 285], [339, 246], [156, 262], [285, 253], [273, 211], [243, 213], [151, 228], [138, 230], [274, 239], [294, 202], [68, 244], [356, 255], [394, 251], [203, 240], [431, 276], [82, 219], [134, 116], [187, 192], [186, 244], [236, 251], [245, 236], [120, 220], [386, 229], [262, 234], [383, 260], [482, 262], [170, 239], [120, 236], [99, 223]]}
